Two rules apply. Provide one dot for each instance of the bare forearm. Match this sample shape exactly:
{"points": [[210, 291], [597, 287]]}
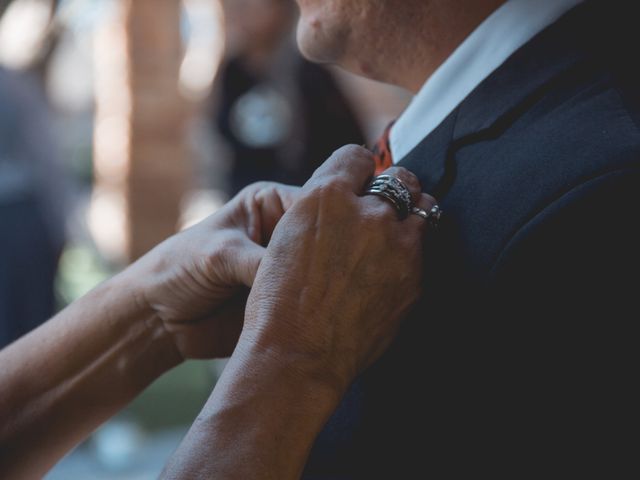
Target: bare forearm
{"points": [[60, 382], [260, 422]]}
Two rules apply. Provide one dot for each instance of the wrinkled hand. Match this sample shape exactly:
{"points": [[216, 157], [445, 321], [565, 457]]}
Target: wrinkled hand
{"points": [[339, 274], [196, 281]]}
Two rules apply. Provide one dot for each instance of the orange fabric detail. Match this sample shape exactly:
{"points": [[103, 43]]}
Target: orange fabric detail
{"points": [[382, 152]]}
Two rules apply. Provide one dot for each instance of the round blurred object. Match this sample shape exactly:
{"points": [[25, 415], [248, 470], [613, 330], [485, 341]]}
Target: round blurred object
{"points": [[117, 443], [262, 117]]}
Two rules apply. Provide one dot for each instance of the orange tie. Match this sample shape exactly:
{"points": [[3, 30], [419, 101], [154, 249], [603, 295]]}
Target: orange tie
{"points": [[382, 152]]}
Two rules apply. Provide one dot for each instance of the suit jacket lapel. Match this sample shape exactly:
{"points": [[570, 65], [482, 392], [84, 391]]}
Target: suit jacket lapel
{"points": [[499, 99], [549, 57], [428, 159]]}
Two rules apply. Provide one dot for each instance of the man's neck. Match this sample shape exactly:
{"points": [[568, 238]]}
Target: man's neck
{"points": [[480, 54], [408, 56]]}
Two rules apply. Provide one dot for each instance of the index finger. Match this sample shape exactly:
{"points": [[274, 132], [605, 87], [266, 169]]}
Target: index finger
{"points": [[351, 165]]}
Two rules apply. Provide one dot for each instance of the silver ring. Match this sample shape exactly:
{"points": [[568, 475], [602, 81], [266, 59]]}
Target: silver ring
{"points": [[420, 212], [432, 216], [394, 190]]}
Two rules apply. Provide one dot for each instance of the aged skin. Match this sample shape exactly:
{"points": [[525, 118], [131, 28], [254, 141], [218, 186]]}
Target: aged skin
{"points": [[185, 299], [318, 288], [396, 42]]}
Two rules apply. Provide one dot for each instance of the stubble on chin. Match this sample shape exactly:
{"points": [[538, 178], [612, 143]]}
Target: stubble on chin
{"points": [[321, 40]]}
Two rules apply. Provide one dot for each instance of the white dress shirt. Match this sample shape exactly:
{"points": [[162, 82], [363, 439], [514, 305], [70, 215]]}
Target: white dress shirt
{"points": [[482, 52]]}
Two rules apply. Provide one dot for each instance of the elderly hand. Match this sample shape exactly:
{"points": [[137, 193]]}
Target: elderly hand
{"points": [[196, 281], [340, 272]]}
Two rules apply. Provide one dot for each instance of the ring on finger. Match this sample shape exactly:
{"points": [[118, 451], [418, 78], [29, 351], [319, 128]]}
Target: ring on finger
{"points": [[394, 190], [432, 216]]}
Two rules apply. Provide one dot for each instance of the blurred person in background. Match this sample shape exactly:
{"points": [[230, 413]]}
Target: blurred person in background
{"points": [[32, 201], [280, 114]]}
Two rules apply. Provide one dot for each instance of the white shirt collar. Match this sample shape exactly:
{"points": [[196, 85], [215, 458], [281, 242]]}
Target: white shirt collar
{"points": [[482, 52]]}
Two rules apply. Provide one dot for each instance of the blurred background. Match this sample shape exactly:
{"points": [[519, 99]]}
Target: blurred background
{"points": [[124, 121]]}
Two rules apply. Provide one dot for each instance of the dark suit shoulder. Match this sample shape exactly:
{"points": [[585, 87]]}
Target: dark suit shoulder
{"points": [[577, 130], [578, 143]]}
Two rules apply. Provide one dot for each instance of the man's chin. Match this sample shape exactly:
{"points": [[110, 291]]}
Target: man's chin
{"points": [[316, 47]]}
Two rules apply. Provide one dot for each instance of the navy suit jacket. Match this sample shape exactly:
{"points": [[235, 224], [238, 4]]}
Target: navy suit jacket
{"points": [[519, 358]]}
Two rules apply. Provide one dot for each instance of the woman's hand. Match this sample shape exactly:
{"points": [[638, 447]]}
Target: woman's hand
{"points": [[58, 383], [196, 281], [340, 273]]}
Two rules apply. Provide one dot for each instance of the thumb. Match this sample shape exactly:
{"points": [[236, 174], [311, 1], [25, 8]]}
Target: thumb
{"points": [[247, 260]]}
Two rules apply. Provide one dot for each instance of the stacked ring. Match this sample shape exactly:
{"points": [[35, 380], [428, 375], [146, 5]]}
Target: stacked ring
{"points": [[395, 191]]}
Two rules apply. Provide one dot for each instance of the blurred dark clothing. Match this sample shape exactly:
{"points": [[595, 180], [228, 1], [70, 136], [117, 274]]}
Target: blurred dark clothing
{"points": [[32, 207], [28, 264], [282, 124]]}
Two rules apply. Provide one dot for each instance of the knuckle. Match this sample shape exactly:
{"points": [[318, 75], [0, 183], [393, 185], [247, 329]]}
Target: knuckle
{"points": [[408, 173], [263, 184], [252, 188], [349, 156], [252, 191], [429, 199], [412, 180], [379, 210], [351, 151], [331, 186]]}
